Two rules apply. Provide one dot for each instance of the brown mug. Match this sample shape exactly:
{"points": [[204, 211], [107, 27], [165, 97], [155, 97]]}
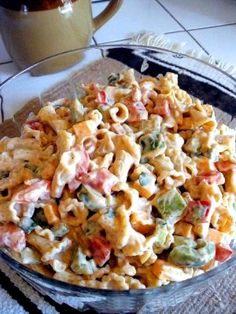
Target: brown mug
{"points": [[35, 29]]}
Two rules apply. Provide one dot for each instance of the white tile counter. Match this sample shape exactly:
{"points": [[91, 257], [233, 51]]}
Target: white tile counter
{"points": [[208, 26]]}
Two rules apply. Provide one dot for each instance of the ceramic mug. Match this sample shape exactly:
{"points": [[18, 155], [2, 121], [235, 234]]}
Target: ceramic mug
{"points": [[35, 29]]}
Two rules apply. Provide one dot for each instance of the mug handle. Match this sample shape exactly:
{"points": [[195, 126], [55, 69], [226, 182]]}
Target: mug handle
{"points": [[106, 14]]}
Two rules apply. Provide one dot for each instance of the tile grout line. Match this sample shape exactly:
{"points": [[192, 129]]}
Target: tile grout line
{"points": [[99, 1], [174, 32], [177, 21], [209, 27]]}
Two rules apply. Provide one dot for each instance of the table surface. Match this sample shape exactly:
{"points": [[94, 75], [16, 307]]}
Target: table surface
{"points": [[206, 26]]}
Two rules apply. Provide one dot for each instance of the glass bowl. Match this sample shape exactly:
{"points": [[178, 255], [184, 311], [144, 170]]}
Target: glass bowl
{"points": [[30, 90]]}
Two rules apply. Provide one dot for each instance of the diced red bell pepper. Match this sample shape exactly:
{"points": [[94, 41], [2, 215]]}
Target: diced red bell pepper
{"points": [[39, 189], [100, 249], [137, 112], [102, 97], [12, 237], [198, 211], [83, 165], [102, 180], [73, 185], [222, 253], [162, 109], [224, 166], [209, 177], [81, 171], [35, 125]]}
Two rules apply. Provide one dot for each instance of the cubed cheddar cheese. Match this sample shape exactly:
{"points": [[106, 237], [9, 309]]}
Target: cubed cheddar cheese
{"points": [[201, 229], [84, 130], [184, 229], [166, 271]]}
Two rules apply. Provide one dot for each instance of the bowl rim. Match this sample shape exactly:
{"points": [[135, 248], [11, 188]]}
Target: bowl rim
{"points": [[107, 46], [73, 288]]}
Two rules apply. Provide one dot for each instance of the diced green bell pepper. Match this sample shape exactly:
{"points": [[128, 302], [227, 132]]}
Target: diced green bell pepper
{"points": [[161, 232], [185, 256], [151, 142], [170, 205], [80, 265], [91, 198], [180, 240]]}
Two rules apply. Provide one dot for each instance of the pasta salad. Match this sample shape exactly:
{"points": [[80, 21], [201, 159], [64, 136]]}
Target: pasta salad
{"points": [[131, 186]]}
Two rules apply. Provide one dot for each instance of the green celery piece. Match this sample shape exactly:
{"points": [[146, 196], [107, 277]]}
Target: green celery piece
{"points": [[171, 205]]}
